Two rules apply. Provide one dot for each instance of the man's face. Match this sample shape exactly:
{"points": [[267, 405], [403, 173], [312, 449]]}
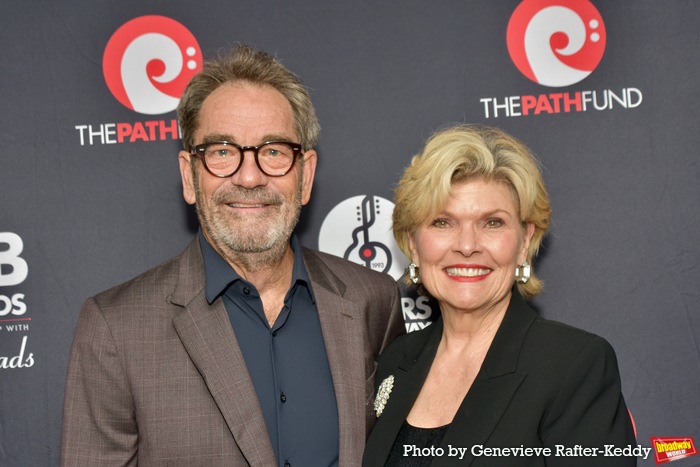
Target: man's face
{"points": [[248, 212]]}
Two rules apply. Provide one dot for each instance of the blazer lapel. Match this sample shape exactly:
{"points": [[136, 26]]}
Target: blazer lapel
{"points": [[341, 325], [409, 378], [485, 403], [494, 386], [478, 415], [206, 334]]}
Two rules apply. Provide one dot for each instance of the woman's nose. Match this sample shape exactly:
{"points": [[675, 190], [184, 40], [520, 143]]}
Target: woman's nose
{"points": [[467, 241]]}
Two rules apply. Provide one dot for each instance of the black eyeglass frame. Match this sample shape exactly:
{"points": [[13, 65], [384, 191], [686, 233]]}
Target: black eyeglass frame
{"points": [[200, 149]]}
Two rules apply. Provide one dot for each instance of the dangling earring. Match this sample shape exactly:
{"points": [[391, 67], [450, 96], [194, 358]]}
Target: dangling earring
{"points": [[523, 272], [413, 273]]}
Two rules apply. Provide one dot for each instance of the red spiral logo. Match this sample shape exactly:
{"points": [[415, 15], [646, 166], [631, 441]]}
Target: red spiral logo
{"points": [[556, 42], [148, 62]]}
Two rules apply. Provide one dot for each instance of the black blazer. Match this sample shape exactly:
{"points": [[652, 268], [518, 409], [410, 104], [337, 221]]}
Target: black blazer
{"points": [[542, 384]]}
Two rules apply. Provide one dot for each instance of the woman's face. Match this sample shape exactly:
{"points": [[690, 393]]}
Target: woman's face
{"points": [[467, 254]]}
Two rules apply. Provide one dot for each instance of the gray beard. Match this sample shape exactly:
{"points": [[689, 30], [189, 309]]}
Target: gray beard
{"points": [[247, 243]]}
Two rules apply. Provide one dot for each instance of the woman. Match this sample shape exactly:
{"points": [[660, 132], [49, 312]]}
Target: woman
{"points": [[471, 212]]}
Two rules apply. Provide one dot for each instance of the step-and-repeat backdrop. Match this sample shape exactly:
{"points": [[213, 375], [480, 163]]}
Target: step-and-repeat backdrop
{"points": [[605, 93]]}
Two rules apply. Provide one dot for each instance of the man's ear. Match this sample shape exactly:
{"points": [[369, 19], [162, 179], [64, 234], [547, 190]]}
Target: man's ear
{"points": [[187, 174], [310, 160]]}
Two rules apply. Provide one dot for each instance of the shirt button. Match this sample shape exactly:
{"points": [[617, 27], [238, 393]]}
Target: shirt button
{"points": [[246, 290], [287, 464], [283, 398], [274, 333]]}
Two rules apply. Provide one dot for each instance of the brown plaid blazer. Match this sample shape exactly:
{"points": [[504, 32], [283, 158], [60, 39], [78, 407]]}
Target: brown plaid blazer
{"points": [[156, 376]]}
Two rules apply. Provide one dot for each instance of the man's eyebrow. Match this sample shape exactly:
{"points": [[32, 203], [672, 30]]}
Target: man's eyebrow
{"points": [[218, 137], [210, 138], [277, 137]]}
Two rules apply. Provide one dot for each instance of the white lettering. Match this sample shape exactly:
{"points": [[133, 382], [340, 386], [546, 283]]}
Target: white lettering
{"points": [[638, 94], [586, 98], [416, 313], [10, 257], [110, 130], [411, 450], [18, 361], [454, 452], [14, 304], [486, 101], [555, 103]]}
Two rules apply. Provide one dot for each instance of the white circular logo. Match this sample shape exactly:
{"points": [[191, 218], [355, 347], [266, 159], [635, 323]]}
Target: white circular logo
{"points": [[148, 62], [359, 230], [556, 43]]}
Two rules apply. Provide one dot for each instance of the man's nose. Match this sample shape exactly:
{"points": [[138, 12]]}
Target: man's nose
{"points": [[249, 174]]}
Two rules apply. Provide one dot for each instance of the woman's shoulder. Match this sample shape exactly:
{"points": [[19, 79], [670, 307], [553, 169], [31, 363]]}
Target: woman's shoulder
{"points": [[553, 337], [556, 330]]}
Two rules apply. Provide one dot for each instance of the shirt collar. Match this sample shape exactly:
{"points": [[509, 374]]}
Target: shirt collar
{"points": [[219, 274]]}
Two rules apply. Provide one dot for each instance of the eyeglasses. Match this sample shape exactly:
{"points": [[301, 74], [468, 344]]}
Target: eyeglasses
{"points": [[224, 158]]}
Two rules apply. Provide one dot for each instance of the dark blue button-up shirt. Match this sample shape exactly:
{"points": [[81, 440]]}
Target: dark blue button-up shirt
{"points": [[287, 362]]}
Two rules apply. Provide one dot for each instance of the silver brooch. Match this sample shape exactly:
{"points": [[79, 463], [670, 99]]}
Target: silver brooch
{"points": [[383, 394]]}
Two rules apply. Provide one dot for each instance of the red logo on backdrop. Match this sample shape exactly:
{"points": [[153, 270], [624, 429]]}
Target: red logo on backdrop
{"points": [[148, 62], [671, 449], [556, 42]]}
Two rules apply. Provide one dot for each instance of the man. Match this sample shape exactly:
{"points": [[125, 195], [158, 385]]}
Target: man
{"points": [[246, 349]]}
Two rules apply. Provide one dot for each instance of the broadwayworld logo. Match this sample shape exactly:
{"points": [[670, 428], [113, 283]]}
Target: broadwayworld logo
{"points": [[671, 449]]}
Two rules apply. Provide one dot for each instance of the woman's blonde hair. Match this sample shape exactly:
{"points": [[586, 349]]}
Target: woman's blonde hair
{"points": [[463, 153]]}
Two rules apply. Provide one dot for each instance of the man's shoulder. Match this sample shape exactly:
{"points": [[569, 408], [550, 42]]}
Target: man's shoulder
{"points": [[344, 269], [153, 284]]}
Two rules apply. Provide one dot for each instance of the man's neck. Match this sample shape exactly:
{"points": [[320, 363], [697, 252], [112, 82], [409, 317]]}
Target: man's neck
{"points": [[272, 282], [269, 271], [264, 271]]}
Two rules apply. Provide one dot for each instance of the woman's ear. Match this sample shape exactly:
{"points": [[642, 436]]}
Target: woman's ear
{"points": [[413, 248], [529, 232]]}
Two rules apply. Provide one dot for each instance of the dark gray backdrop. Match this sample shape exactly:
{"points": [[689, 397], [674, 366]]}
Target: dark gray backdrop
{"points": [[622, 259]]}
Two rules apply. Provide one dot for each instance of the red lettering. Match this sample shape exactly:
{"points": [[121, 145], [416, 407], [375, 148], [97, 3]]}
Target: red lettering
{"points": [[528, 104], [123, 130], [152, 125], [153, 130], [556, 100], [543, 105], [568, 101], [138, 133], [173, 130]]}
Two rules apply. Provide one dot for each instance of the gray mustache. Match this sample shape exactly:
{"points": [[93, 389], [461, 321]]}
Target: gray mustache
{"points": [[239, 194]]}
